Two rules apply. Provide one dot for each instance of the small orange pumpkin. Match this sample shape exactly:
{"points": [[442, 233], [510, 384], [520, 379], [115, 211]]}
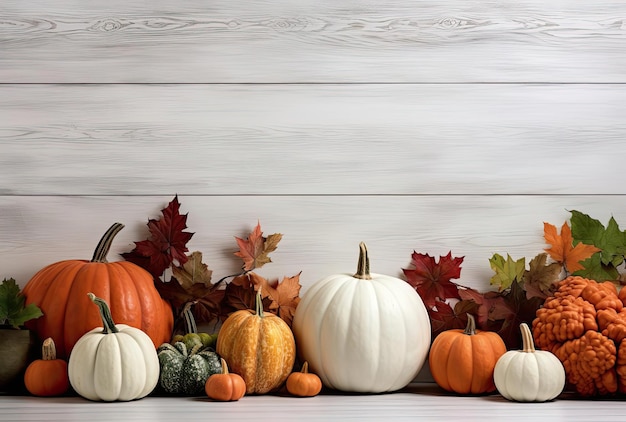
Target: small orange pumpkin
{"points": [[463, 361], [60, 290], [225, 386], [258, 346], [304, 383], [47, 377]]}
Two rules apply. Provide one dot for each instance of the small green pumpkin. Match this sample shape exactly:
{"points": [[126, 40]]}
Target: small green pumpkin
{"points": [[187, 364], [192, 337], [185, 372]]}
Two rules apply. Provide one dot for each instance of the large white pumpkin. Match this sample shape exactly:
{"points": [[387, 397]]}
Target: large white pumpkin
{"points": [[113, 362], [367, 333]]}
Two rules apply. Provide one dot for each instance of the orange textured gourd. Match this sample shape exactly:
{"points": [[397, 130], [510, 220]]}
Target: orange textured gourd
{"points": [[47, 377], [584, 325], [128, 288], [304, 383], [225, 386], [462, 361], [260, 347]]}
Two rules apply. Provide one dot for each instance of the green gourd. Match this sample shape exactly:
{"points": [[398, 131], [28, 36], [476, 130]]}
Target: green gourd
{"points": [[186, 364], [185, 372]]}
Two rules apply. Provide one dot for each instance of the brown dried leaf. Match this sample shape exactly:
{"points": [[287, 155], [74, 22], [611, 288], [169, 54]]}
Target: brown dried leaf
{"points": [[193, 271]]}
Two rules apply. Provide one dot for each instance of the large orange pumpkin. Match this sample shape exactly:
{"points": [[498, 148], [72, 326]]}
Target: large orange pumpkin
{"points": [[463, 361], [60, 290]]}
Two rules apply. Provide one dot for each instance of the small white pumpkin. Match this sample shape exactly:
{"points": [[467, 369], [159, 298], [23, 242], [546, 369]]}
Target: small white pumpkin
{"points": [[529, 375], [113, 362], [365, 332]]}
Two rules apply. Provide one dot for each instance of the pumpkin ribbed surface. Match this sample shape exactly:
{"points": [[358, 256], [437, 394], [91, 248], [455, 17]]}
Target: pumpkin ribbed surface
{"points": [[260, 348], [366, 333], [128, 288]]}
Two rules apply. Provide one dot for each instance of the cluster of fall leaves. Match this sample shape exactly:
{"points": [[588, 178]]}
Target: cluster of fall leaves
{"points": [[191, 279], [584, 248]]}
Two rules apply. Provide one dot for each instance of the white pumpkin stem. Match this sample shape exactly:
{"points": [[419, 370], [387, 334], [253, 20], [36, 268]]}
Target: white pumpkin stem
{"points": [[363, 266], [104, 245], [470, 328], [48, 349], [190, 321], [105, 313], [528, 345]]}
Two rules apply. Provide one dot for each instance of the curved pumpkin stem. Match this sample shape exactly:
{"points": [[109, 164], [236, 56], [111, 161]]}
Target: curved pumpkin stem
{"points": [[470, 328], [258, 303], [190, 321], [224, 366], [305, 367], [105, 313], [363, 266], [48, 349], [104, 245], [528, 345]]}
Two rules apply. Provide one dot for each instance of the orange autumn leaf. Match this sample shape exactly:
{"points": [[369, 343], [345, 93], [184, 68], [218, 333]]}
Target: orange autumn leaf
{"points": [[562, 249], [256, 249], [285, 295]]}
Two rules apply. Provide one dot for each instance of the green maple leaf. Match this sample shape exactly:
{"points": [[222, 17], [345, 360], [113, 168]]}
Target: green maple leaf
{"points": [[12, 309], [610, 239], [596, 270], [507, 271]]}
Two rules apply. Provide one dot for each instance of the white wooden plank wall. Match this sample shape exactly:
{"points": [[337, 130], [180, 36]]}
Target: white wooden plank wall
{"points": [[412, 125]]}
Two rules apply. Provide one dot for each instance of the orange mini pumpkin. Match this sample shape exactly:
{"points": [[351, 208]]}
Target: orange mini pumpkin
{"points": [[258, 346], [60, 290], [304, 383], [463, 361], [225, 386], [47, 376]]}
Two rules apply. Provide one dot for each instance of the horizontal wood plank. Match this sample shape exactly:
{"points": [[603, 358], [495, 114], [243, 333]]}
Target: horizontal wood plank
{"points": [[423, 402], [310, 139], [54, 41], [320, 234]]}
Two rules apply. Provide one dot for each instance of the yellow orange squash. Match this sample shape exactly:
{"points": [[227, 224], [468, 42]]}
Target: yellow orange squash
{"points": [[258, 346]]}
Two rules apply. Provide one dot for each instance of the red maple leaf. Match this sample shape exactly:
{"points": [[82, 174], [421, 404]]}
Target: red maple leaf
{"points": [[166, 244], [490, 305], [444, 317], [431, 279]]}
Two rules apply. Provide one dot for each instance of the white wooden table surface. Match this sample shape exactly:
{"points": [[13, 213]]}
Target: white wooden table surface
{"points": [[418, 402]]}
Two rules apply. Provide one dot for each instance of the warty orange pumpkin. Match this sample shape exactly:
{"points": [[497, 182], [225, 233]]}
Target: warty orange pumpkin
{"points": [[60, 290]]}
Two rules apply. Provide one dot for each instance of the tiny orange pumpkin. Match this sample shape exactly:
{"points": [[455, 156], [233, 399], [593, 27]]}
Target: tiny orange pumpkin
{"points": [[47, 377], [463, 361], [225, 386], [304, 383]]}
